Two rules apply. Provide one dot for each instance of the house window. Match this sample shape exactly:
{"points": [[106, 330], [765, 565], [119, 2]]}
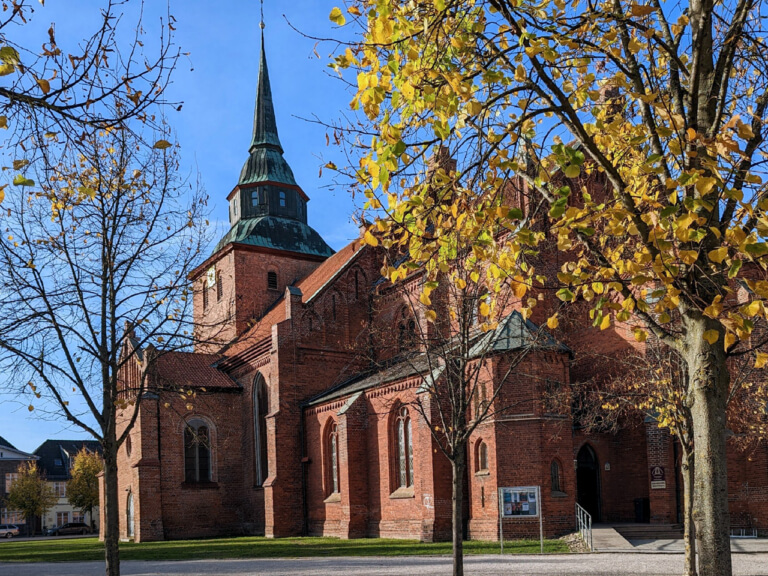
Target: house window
{"points": [[272, 280], [403, 449], [78, 517], [260, 411], [11, 516], [255, 198], [197, 452], [282, 199], [60, 489], [205, 295], [556, 476], [481, 462], [62, 518], [10, 478], [219, 287], [332, 461]]}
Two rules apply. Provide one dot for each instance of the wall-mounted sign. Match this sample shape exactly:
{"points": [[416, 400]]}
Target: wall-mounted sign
{"points": [[658, 478], [519, 501]]}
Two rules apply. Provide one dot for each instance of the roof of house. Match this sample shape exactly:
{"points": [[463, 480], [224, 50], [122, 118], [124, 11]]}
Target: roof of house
{"points": [[192, 369], [4, 442], [285, 234], [513, 333], [55, 456]]}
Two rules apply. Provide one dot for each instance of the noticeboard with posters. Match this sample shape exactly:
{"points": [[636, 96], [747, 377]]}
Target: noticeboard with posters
{"points": [[519, 501]]}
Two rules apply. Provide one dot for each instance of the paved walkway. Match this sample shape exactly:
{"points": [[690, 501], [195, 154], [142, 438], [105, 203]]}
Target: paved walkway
{"points": [[607, 539], [523, 565]]}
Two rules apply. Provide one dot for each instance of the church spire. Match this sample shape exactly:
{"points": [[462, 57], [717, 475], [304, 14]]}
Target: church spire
{"points": [[264, 123]]}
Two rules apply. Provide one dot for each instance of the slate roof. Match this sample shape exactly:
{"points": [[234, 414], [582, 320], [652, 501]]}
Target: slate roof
{"points": [[55, 456], [4, 442], [194, 370], [278, 234], [513, 333]]}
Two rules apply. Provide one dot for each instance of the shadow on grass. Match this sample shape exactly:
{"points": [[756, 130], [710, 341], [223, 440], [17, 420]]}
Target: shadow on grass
{"points": [[254, 547]]}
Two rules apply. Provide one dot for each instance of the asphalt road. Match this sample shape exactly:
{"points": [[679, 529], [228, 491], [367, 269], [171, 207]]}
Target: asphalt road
{"points": [[571, 565]]}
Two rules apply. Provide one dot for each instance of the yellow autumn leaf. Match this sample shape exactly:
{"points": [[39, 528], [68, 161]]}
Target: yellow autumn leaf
{"points": [[718, 255], [520, 73], [370, 239], [162, 144], [730, 339], [606, 322], [45, 86], [640, 334], [688, 256], [552, 322], [761, 359], [431, 315], [704, 185], [337, 17], [519, 287], [354, 10], [485, 310], [424, 299], [639, 10], [711, 336]]}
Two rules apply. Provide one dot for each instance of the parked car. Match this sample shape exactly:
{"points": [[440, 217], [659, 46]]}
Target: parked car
{"points": [[69, 528], [8, 530]]}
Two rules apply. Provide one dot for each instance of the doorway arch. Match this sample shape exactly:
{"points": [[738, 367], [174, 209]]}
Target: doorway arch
{"points": [[588, 481], [129, 515]]}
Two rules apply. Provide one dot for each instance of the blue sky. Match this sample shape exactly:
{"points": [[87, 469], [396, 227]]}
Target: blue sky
{"points": [[217, 84]]}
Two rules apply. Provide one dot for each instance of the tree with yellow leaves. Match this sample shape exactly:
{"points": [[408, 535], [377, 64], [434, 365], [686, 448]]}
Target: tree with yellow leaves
{"points": [[640, 125], [83, 486], [96, 254]]}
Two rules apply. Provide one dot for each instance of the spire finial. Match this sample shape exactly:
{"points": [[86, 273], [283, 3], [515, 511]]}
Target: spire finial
{"points": [[261, 23]]}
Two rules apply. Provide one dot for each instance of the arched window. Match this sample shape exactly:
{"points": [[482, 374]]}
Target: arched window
{"points": [[481, 457], [406, 333], [197, 452], [272, 280], [260, 411], [554, 470], [219, 287], [403, 449], [332, 459], [205, 295]]}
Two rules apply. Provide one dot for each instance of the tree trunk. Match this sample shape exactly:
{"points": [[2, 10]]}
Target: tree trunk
{"points": [[689, 532], [709, 380], [111, 511], [457, 517]]}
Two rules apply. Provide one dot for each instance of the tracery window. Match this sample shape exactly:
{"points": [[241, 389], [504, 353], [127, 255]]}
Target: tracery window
{"points": [[197, 452], [260, 411], [332, 459], [403, 449]]}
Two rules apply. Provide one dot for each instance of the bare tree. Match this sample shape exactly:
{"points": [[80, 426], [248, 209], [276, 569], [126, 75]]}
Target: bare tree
{"points": [[105, 242]]}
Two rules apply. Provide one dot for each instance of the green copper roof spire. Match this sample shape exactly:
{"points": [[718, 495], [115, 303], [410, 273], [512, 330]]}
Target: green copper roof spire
{"points": [[266, 162], [264, 124]]}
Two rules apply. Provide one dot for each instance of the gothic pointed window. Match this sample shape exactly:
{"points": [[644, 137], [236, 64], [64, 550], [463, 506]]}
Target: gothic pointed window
{"points": [[197, 452], [219, 287], [554, 469], [332, 459], [205, 295], [260, 411], [403, 444], [481, 457]]}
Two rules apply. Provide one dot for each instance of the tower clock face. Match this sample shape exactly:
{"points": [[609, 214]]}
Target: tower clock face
{"points": [[211, 277]]}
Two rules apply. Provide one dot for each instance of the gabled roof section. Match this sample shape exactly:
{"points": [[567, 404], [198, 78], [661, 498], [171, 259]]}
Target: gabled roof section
{"points": [[310, 287], [5, 443], [56, 456], [192, 370]]}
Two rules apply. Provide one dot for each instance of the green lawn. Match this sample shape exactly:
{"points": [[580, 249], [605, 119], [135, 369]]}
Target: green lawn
{"points": [[82, 549]]}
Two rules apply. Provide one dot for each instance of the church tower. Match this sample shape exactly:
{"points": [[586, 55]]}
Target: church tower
{"points": [[269, 244]]}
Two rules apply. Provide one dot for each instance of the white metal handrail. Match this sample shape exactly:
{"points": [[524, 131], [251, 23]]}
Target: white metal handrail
{"points": [[584, 525]]}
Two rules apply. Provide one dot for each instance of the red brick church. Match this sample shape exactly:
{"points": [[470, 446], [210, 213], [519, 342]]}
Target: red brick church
{"points": [[290, 432]]}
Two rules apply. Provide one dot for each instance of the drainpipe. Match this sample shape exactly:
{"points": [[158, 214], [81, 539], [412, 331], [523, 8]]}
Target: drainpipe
{"points": [[304, 464]]}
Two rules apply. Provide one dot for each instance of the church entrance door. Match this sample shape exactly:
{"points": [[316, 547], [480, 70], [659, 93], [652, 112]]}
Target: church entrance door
{"points": [[588, 481]]}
